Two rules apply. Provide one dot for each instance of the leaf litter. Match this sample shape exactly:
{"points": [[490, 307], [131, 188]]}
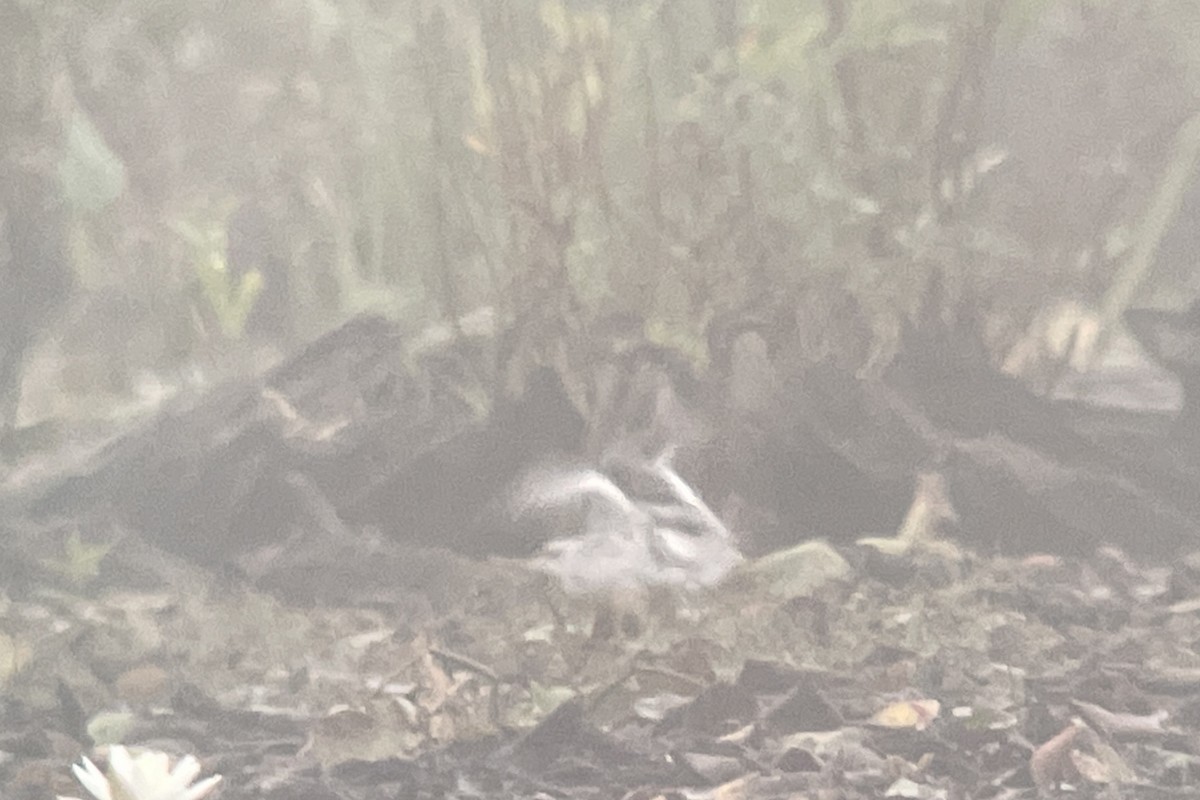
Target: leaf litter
{"points": [[828, 677]]}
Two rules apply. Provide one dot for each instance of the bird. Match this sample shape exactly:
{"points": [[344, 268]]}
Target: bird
{"points": [[626, 525]]}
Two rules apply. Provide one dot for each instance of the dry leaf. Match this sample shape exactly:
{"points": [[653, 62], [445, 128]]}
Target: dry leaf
{"points": [[1051, 763], [915, 714], [436, 686], [1123, 726], [1103, 765], [14, 655]]}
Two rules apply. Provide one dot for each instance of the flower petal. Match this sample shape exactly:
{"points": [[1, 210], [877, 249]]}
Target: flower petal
{"points": [[120, 763], [201, 789], [126, 770], [143, 776], [92, 779], [186, 770]]}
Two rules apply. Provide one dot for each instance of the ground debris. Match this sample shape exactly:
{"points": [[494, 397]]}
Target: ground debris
{"points": [[967, 688]]}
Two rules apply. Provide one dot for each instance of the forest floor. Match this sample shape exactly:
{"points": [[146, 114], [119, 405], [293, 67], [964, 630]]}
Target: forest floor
{"points": [[807, 674]]}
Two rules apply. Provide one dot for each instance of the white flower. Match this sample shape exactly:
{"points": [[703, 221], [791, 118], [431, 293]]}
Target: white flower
{"points": [[144, 776]]}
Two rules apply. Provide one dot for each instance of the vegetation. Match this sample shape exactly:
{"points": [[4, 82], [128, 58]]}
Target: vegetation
{"points": [[566, 160]]}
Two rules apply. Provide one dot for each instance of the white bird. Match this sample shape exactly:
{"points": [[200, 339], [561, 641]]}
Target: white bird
{"points": [[648, 528]]}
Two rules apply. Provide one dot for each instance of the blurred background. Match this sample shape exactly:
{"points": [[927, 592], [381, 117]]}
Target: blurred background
{"points": [[189, 187]]}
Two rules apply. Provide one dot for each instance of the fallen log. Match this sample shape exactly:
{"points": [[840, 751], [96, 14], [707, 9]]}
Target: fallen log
{"points": [[354, 412]]}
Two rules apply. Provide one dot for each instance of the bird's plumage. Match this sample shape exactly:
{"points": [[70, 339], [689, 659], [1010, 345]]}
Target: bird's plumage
{"points": [[607, 535]]}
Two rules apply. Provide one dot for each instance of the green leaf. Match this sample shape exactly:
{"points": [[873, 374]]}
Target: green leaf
{"points": [[230, 300], [547, 698], [110, 727], [92, 175], [80, 561]]}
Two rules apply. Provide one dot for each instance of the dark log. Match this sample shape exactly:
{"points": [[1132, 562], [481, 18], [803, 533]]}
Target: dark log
{"points": [[370, 429], [387, 435], [1013, 498], [1172, 338], [830, 453], [1026, 472]]}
